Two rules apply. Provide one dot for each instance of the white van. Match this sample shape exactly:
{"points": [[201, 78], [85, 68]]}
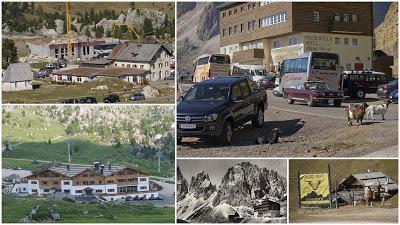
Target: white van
{"points": [[254, 72]]}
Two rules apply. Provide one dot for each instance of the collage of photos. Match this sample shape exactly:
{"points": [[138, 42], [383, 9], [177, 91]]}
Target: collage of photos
{"points": [[199, 112]]}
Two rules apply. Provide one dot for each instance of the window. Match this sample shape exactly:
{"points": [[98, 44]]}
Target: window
{"points": [[354, 41], [33, 182], [100, 182], [223, 15], [262, 3], [223, 32], [134, 66], [293, 41], [166, 63], [337, 17], [166, 73], [110, 190], [115, 64], [143, 179], [230, 13], [251, 25], [85, 175], [346, 41], [44, 182], [123, 65], [85, 182], [236, 92], [235, 29], [159, 66], [346, 17], [143, 187], [358, 58], [337, 41], [235, 11], [253, 5], [55, 182], [316, 16], [276, 44], [245, 89], [99, 191], [241, 28], [46, 190], [34, 190], [354, 18], [91, 182], [230, 31], [274, 19], [78, 191], [141, 66]]}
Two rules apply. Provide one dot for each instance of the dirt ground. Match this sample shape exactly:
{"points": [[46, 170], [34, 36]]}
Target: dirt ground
{"points": [[302, 135], [347, 214]]}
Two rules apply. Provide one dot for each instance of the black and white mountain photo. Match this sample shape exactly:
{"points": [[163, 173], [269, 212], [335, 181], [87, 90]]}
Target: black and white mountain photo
{"points": [[231, 191]]}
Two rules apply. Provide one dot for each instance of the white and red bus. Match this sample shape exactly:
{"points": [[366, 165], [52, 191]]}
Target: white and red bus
{"points": [[310, 66]]}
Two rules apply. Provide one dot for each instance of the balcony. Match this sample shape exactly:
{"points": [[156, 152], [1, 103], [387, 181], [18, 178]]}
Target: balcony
{"points": [[255, 55], [344, 27]]}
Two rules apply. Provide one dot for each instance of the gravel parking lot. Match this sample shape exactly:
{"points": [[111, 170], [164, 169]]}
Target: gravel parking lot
{"points": [[306, 132]]}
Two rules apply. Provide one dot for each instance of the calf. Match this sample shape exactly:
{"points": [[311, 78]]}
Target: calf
{"points": [[356, 112], [377, 110]]}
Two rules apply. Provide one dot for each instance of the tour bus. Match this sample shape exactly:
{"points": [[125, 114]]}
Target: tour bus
{"points": [[310, 66], [211, 65], [254, 72]]}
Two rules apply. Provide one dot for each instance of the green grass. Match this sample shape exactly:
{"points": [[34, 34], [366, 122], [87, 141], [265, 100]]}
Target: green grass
{"points": [[26, 165], [15, 208], [339, 169]]}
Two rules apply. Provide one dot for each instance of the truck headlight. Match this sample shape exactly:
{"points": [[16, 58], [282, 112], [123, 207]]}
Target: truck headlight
{"points": [[211, 117]]}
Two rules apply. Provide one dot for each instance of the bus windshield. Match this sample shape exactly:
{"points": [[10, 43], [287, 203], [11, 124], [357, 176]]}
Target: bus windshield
{"points": [[203, 61], [324, 61], [219, 59], [208, 92]]}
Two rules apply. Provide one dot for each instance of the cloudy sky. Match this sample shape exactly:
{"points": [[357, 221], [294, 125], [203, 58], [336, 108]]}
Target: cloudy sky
{"points": [[216, 168]]}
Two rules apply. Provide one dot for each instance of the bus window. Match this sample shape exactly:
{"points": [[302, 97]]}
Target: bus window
{"points": [[219, 59], [202, 61], [324, 61]]}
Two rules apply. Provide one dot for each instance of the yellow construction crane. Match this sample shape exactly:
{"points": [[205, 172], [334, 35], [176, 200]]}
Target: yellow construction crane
{"points": [[129, 27], [69, 35]]}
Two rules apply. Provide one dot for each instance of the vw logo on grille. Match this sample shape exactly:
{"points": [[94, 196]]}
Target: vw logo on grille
{"points": [[187, 119]]}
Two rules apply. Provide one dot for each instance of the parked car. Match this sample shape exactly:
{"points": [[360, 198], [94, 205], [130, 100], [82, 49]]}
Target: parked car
{"points": [[359, 83], [152, 198], [268, 82], [213, 108], [385, 89], [394, 96], [51, 66], [159, 198], [88, 100], [128, 198], [113, 98], [137, 96], [40, 74], [61, 64], [136, 198], [313, 92], [142, 198], [70, 101]]}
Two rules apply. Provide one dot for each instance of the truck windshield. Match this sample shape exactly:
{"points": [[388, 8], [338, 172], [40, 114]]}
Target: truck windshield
{"points": [[208, 92]]}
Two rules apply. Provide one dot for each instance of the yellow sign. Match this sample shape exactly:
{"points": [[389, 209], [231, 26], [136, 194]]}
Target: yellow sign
{"points": [[314, 188]]}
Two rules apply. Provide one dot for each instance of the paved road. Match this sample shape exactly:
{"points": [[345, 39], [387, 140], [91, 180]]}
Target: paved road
{"points": [[305, 132]]}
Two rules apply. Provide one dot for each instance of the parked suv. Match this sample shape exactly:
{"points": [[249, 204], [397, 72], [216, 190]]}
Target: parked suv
{"points": [[111, 99], [358, 83], [213, 108], [88, 100]]}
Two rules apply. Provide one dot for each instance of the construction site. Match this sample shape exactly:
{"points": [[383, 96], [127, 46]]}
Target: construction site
{"points": [[44, 61]]}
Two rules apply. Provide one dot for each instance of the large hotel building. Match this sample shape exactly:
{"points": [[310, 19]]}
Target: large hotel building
{"points": [[267, 32]]}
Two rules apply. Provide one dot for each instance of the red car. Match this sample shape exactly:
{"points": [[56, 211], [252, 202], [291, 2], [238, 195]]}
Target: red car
{"points": [[313, 92]]}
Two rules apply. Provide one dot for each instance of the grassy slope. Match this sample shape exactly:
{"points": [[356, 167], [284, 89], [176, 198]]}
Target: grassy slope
{"points": [[31, 143], [339, 169], [16, 208], [98, 6]]}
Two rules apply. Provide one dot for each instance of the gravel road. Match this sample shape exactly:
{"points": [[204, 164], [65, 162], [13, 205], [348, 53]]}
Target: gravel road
{"points": [[306, 132]]}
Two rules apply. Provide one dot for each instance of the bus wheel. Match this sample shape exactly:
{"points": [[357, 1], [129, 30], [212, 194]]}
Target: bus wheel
{"points": [[290, 99], [310, 101], [360, 93]]}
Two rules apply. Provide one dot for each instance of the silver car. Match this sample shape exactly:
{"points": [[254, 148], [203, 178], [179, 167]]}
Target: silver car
{"points": [[137, 96]]}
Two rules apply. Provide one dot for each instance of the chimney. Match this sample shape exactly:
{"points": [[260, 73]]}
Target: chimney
{"points": [[96, 165], [68, 167], [102, 169]]}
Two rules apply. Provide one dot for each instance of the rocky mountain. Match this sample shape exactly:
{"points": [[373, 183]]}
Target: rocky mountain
{"points": [[241, 186], [182, 186], [386, 35], [198, 31]]}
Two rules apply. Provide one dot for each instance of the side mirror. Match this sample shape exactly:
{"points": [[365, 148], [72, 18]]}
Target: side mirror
{"points": [[238, 99], [180, 98]]}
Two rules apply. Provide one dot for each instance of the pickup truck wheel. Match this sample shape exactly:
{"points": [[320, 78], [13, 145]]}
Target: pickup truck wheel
{"points": [[360, 94], [227, 133], [290, 99], [310, 101], [337, 103], [179, 140], [258, 119]]}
